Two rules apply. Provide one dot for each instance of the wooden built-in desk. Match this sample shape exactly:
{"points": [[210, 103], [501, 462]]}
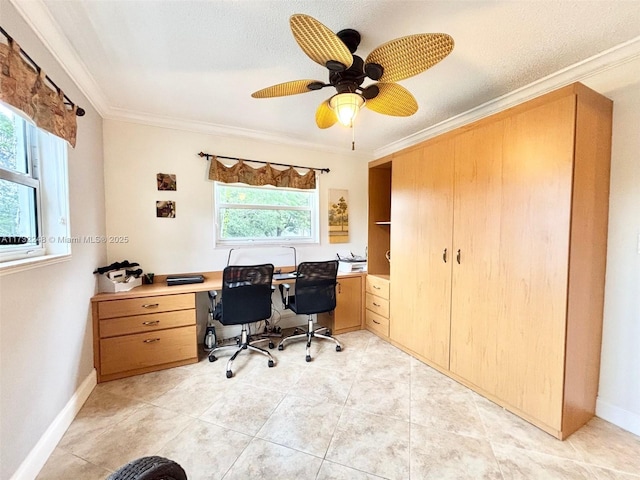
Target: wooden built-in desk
{"points": [[153, 327]]}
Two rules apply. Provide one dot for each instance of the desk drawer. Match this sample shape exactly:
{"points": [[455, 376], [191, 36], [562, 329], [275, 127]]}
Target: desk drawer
{"points": [[377, 323], [111, 327], [378, 286], [142, 305], [377, 305], [119, 354]]}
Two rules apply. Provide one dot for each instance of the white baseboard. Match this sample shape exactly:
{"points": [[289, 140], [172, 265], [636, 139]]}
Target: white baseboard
{"points": [[39, 455], [618, 416]]}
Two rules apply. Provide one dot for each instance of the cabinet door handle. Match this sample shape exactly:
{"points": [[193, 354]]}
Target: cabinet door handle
{"points": [[375, 304], [444, 255], [151, 323], [376, 287], [458, 257], [150, 305], [377, 323], [339, 288], [152, 340]]}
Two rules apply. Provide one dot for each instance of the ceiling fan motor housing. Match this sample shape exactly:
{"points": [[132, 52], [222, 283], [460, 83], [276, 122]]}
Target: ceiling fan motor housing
{"points": [[350, 79]]}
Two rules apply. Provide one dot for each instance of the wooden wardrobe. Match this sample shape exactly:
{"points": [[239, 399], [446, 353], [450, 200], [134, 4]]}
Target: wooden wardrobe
{"points": [[498, 246]]}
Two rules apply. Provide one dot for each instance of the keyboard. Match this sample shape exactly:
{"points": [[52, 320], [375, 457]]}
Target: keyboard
{"points": [[284, 276], [184, 279]]}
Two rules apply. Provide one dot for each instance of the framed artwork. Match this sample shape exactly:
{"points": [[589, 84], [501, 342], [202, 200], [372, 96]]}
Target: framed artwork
{"points": [[166, 181], [338, 216], [165, 209]]}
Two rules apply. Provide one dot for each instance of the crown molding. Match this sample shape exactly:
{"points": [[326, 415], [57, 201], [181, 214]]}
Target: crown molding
{"points": [[227, 131], [580, 71], [37, 16]]}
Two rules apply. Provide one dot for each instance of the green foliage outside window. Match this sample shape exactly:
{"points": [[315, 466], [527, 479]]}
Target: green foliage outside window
{"points": [[9, 206], [263, 213]]}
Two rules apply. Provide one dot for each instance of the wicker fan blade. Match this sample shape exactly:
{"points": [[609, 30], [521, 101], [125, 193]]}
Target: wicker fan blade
{"points": [[284, 89], [318, 42], [325, 116], [407, 56], [393, 99]]}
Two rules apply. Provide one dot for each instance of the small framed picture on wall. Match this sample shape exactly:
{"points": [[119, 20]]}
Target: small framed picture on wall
{"points": [[338, 216], [165, 209], [167, 181]]}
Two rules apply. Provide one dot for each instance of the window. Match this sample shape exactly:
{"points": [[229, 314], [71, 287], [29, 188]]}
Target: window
{"points": [[33, 209], [265, 215]]}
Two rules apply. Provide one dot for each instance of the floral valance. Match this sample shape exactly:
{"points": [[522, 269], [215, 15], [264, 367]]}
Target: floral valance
{"points": [[267, 175], [25, 88]]}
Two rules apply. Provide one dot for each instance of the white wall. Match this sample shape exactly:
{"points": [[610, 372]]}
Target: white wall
{"points": [[45, 323], [135, 153], [619, 395]]}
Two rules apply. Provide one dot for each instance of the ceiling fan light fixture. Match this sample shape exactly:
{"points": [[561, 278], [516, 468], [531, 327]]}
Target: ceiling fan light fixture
{"points": [[346, 106]]}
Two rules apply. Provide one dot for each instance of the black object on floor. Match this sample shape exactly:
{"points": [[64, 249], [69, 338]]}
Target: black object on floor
{"points": [[150, 468]]}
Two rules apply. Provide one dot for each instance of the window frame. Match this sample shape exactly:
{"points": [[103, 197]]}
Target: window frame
{"points": [[314, 209], [27, 139]]}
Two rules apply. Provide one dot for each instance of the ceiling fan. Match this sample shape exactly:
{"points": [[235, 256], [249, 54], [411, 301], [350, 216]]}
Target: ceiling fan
{"points": [[396, 60]]}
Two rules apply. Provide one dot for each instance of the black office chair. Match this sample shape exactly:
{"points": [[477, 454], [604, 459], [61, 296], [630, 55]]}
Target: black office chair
{"points": [[246, 298], [315, 292]]}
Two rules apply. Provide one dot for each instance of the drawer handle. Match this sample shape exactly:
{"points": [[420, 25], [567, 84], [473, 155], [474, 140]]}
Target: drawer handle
{"points": [[152, 340], [377, 323], [151, 323], [150, 305], [376, 287], [375, 304]]}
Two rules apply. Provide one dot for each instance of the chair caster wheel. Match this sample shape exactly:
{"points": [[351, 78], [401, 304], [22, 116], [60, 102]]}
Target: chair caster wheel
{"points": [[308, 358], [328, 334], [280, 347], [271, 364], [229, 374], [338, 348], [271, 345], [212, 358]]}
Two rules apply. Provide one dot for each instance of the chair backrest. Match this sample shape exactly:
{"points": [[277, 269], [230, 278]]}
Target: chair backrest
{"points": [[246, 293], [316, 287]]}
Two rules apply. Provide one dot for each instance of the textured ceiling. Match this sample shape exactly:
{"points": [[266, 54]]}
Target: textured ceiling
{"points": [[199, 61]]}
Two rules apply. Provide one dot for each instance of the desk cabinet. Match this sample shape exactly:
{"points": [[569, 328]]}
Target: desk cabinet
{"points": [[347, 316], [377, 304], [348, 312], [140, 335]]}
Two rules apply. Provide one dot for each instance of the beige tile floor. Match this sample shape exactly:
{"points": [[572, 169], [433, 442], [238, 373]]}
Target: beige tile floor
{"points": [[368, 412]]}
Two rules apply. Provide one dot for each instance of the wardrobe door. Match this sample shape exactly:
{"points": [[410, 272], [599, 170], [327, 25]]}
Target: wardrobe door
{"points": [[536, 219], [421, 256], [477, 296]]}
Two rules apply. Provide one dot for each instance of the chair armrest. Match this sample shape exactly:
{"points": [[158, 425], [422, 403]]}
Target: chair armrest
{"points": [[213, 295], [284, 293]]}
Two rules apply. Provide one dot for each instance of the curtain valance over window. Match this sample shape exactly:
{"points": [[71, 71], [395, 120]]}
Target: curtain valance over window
{"points": [[267, 175], [24, 88]]}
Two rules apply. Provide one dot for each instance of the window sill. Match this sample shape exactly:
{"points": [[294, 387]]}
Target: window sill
{"points": [[15, 266]]}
